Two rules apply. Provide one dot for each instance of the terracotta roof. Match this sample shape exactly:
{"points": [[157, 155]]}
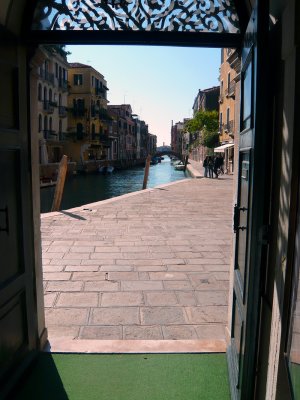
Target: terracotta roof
{"points": [[79, 65]]}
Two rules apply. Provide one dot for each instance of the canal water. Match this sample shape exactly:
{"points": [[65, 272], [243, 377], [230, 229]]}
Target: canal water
{"points": [[87, 188]]}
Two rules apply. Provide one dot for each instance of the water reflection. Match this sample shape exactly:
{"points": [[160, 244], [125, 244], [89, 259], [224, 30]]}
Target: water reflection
{"points": [[88, 188]]}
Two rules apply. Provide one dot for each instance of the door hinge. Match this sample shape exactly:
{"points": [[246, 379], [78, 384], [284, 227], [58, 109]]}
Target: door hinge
{"points": [[236, 218]]}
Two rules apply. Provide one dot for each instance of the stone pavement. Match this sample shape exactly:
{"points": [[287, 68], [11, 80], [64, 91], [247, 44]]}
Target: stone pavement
{"points": [[152, 265]]}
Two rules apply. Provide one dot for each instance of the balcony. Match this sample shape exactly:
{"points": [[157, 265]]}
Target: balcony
{"points": [[48, 106], [103, 115], [100, 91], [49, 134], [230, 91], [47, 76], [221, 98], [227, 128], [62, 111]]}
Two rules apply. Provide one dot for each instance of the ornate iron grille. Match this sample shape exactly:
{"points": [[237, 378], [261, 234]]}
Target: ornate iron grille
{"points": [[137, 15]]}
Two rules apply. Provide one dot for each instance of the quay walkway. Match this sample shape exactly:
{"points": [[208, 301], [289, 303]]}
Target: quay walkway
{"points": [[147, 266]]}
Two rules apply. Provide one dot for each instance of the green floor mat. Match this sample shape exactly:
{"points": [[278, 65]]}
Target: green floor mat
{"points": [[127, 377]]}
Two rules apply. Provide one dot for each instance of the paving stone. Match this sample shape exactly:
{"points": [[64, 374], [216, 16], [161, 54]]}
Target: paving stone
{"points": [[162, 315], [207, 314], [101, 332], [141, 285], [207, 332], [165, 276], [149, 268], [177, 285], [143, 276], [115, 316], [76, 256], [211, 298], [161, 298], [49, 299], [56, 276], [116, 268], [122, 299], [186, 298], [105, 256], [62, 331], [88, 276], [120, 276], [142, 333], [66, 316], [58, 249], [101, 286], [180, 332], [85, 299], [107, 249], [82, 249], [64, 286], [53, 268], [82, 268]]}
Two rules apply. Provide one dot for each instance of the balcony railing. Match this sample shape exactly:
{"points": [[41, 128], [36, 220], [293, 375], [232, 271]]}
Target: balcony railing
{"points": [[47, 76], [62, 111], [227, 127], [49, 134], [230, 91], [48, 106], [100, 91]]}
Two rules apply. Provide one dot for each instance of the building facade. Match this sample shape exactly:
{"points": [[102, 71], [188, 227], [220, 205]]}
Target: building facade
{"points": [[88, 121], [52, 95]]}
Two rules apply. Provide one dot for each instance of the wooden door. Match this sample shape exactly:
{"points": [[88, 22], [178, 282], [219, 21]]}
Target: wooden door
{"points": [[249, 213], [18, 325]]}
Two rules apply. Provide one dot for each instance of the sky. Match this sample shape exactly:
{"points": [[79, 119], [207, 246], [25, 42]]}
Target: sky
{"points": [[160, 83]]}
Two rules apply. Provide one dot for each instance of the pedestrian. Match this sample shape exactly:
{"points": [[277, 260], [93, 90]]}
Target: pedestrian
{"points": [[216, 166], [210, 166], [205, 166], [221, 163]]}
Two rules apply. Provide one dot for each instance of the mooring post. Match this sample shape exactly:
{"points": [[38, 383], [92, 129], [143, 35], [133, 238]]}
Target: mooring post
{"points": [[59, 188], [186, 162], [146, 174]]}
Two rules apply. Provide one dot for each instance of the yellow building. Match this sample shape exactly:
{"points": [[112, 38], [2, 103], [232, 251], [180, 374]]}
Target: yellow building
{"points": [[228, 114], [88, 122]]}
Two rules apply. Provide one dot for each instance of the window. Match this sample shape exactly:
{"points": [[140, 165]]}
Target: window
{"points": [[50, 124], [222, 88], [92, 81], [40, 123], [45, 93], [59, 100], [50, 94], [40, 92], [221, 120], [60, 126], [228, 80], [227, 117], [78, 79], [222, 55], [56, 70]]}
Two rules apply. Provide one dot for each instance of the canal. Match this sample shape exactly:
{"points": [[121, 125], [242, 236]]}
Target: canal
{"points": [[87, 188]]}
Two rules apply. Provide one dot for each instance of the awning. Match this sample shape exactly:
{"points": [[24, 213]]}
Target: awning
{"points": [[222, 148]]}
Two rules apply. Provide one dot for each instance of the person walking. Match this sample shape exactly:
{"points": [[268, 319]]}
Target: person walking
{"points": [[216, 166], [205, 166], [210, 166]]}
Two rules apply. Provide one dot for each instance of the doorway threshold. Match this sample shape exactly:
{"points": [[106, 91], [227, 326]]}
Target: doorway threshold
{"points": [[63, 345]]}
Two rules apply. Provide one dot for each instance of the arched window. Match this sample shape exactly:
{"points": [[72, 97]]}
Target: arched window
{"points": [[40, 92], [40, 123]]}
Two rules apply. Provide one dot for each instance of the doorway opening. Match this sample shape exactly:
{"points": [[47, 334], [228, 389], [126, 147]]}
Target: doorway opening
{"points": [[129, 269]]}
